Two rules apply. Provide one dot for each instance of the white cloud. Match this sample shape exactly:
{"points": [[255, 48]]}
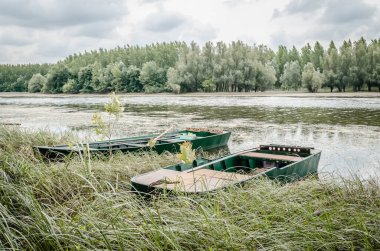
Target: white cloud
{"points": [[49, 30]]}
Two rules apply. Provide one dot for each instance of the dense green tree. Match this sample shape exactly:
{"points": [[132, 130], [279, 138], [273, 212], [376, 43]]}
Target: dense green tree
{"points": [[190, 68], [291, 78], [330, 67], [71, 86], [306, 53], [118, 71], [263, 54], [131, 80], [311, 79], [56, 78], [265, 77], [173, 80], [231, 67], [85, 80], [208, 85], [374, 63], [281, 59], [20, 85], [240, 67], [36, 83], [294, 55], [152, 77], [317, 56], [208, 55], [221, 73], [345, 63], [362, 66]]}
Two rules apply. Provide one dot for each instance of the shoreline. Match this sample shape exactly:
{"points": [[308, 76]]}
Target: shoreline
{"points": [[366, 94]]}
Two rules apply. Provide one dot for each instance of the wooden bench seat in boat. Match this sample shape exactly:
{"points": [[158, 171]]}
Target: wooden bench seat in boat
{"points": [[271, 156]]}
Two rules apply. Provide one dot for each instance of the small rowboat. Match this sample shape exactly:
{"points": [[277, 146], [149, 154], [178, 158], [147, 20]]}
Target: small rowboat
{"points": [[285, 163], [204, 138]]}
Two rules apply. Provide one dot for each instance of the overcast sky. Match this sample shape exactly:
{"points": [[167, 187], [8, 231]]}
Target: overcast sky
{"points": [[38, 31]]}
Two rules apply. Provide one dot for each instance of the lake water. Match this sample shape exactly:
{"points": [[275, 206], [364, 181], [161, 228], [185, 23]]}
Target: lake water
{"points": [[346, 129]]}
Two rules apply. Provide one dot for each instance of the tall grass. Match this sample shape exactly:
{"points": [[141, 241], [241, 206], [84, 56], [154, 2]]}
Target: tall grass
{"points": [[88, 205]]}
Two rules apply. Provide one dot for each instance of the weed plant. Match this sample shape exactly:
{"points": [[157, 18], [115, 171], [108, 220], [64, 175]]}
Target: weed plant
{"points": [[88, 205]]}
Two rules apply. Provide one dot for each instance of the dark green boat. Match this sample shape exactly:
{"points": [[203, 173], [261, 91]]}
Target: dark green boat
{"points": [[285, 163], [204, 138]]}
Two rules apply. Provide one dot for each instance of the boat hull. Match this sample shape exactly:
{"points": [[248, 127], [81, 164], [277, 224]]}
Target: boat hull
{"points": [[207, 175], [204, 139]]}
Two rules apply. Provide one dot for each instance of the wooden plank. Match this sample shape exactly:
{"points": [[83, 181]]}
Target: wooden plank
{"points": [[221, 175], [271, 156], [201, 180], [149, 179]]}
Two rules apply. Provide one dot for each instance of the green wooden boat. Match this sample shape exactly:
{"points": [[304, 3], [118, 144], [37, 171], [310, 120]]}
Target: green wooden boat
{"points": [[285, 163], [205, 138]]}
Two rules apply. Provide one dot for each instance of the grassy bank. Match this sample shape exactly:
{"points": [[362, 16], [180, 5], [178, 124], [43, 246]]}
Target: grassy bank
{"points": [[83, 203]]}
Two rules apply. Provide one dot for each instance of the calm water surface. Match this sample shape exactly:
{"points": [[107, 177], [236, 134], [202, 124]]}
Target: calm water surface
{"points": [[347, 130]]}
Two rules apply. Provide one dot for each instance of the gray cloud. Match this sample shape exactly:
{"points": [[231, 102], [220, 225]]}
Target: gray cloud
{"points": [[163, 25], [95, 30], [327, 20], [332, 11], [16, 37], [163, 21], [55, 14], [342, 11], [303, 6]]}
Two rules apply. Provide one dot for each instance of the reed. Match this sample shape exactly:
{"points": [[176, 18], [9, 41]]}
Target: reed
{"points": [[85, 203]]}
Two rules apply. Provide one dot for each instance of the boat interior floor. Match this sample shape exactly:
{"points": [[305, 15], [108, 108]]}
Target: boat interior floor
{"points": [[196, 181]]}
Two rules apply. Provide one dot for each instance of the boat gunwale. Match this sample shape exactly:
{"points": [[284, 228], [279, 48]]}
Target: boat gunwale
{"points": [[213, 134]]}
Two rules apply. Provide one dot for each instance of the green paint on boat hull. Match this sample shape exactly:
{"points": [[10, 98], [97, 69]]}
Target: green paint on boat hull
{"points": [[206, 139], [285, 163]]}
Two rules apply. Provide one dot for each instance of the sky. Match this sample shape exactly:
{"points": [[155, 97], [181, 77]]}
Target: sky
{"points": [[46, 31]]}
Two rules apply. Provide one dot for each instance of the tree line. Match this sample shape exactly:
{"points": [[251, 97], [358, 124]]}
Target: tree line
{"points": [[216, 67]]}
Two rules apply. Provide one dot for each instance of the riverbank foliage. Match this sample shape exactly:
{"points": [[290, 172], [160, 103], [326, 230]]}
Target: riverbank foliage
{"points": [[86, 204], [180, 67]]}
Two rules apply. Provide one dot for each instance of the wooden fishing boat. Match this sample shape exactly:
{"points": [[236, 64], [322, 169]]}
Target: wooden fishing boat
{"points": [[204, 138], [286, 163]]}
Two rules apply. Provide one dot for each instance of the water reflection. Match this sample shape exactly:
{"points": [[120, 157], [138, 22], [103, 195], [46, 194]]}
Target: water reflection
{"points": [[280, 115], [347, 130]]}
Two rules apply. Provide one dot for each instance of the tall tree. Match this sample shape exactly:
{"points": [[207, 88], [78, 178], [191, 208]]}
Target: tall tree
{"points": [[317, 56], [294, 55], [281, 59], [305, 55], [374, 63], [131, 80], [291, 78], [362, 60], [173, 80], [221, 74], [330, 67], [152, 77], [36, 83], [345, 63], [311, 79], [56, 78]]}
